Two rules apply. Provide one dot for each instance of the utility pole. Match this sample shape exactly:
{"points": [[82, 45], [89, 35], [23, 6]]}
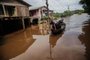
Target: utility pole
{"points": [[47, 9], [68, 8], [47, 5]]}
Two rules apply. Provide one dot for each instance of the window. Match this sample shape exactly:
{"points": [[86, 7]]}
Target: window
{"points": [[9, 10], [1, 10]]}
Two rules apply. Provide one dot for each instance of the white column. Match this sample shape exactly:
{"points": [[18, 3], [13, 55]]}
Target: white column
{"points": [[23, 24], [4, 10]]}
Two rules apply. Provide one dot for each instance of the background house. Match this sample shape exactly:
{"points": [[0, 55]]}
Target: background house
{"points": [[37, 13]]}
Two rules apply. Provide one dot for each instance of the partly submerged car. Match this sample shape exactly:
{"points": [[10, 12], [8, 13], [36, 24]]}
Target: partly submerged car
{"points": [[57, 26]]}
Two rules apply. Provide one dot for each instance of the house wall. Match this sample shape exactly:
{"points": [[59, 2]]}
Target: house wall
{"points": [[35, 14], [20, 9], [38, 13]]}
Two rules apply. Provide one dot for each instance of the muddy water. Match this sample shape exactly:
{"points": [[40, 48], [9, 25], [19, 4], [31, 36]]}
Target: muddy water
{"points": [[17, 43], [72, 44]]}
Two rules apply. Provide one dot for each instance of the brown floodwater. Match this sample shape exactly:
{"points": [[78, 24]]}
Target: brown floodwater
{"points": [[31, 44]]}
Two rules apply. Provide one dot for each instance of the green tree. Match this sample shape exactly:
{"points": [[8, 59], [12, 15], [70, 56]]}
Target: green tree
{"points": [[67, 13], [57, 15], [86, 5]]}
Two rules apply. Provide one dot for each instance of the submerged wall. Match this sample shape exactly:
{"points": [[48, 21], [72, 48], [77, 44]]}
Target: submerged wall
{"points": [[9, 26]]}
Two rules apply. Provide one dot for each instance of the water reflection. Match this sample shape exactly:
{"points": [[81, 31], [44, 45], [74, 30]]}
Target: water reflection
{"points": [[2, 40], [69, 47], [52, 43], [85, 37], [16, 44], [53, 39], [32, 44]]}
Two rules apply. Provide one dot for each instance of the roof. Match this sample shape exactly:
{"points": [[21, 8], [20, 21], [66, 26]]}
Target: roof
{"points": [[35, 8], [23, 2]]}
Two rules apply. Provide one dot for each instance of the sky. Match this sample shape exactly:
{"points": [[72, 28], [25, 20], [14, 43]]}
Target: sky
{"points": [[57, 5]]}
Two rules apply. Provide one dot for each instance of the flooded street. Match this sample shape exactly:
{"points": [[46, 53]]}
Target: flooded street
{"points": [[72, 44]]}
